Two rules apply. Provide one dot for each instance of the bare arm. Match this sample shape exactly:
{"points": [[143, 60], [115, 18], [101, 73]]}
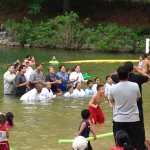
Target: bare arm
{"points": [[110, 103], [7, 133], [91, 103], [83, 125]]}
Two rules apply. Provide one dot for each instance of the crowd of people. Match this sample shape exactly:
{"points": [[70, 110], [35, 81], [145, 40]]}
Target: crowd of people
{"points": [[123, 91]]}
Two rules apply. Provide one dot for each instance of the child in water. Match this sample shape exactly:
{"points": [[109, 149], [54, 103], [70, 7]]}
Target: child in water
{"points": [[122, 141], [4, 135], [96, 112], [85, 129], [9, 120]]}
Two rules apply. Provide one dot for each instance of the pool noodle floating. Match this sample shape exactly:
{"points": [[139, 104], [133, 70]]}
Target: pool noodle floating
{"points": [[100, 61], [89, 138]]}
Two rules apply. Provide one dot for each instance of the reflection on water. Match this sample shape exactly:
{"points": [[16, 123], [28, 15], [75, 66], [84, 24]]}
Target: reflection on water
{"points": [[39, 126]]}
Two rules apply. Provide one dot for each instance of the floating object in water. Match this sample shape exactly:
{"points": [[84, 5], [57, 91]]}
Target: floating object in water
{"points": [[89, 138], [86, 76], [54, 62], [99, 61]]}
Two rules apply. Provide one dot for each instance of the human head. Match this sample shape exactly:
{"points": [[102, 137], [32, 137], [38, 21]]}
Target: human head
{"points": [[80, 143], [100, 88], [147, 56], [97, 80], [59, 92], [53, 57], [62, 68], [28, 57], [32, 58], [128, 65], [16, 66], [122, 139], [78, 85], [70, 89], [17, 61], [68, 71], [22, 69], [39, 87], [122, 73], [48, 85], [51, 70], [26, 62], [10, 68], [85, 113], [141, 58], [2, 118], [77, 68], [89, 83], [108, 79], [39, 67], [9, 118]]}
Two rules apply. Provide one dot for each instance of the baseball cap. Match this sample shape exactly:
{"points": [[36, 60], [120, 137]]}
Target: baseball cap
{"points": [[79, 143]]}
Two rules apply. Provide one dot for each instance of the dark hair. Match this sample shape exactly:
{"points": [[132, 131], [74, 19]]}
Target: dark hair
{"points": [[9, 118], [85, 113], [76, 84], [9, 66], [146, 55], [28, 56], [122, 73], [2, 118], [107, 77], [128, 65], [89, 81], [21, 67], [58, 90], [69, 87], [123, 140], [96, 79], [16, 65], [38, 64], [99, 86], [61, 66], [74, 68]]}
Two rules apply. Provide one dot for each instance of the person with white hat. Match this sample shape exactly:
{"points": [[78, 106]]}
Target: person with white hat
{"points": [[80, 143]]}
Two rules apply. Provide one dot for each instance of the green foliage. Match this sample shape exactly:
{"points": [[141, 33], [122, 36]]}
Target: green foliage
{"points": [[35, 8], [41, 34], [66, 31]]}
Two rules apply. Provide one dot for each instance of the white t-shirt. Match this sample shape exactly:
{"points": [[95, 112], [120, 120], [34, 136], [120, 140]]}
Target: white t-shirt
{"points": [[94, 88], [68, 95], [74, 75], [46, 94], [31, 96], [125, 95], [107, 88], [28, 72], [79, 93]]}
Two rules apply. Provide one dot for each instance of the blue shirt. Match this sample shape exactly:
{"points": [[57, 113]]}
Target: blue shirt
{"points": [[89, 92], [64, 78]]}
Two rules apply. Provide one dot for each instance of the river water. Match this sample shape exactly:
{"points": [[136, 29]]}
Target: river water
{"points": [[39, 126]]}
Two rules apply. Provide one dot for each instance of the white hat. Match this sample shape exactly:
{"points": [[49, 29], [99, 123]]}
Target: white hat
{"points": [[79, 143]]}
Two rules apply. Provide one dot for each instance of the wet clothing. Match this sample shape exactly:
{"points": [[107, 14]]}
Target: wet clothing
{"points": [[4, 145], [20, 78], [85, 133], [97, 115], [139, 79], [52, 79]]}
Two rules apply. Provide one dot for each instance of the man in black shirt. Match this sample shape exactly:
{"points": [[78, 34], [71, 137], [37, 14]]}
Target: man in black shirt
{"points": [[139, 79]]}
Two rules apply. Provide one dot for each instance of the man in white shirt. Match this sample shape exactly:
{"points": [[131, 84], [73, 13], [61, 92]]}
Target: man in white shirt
{"points": [[125, 111], [9, 80], [34, 94]]}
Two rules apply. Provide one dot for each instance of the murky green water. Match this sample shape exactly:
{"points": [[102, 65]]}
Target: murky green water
{"points": [[39, 126]]}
